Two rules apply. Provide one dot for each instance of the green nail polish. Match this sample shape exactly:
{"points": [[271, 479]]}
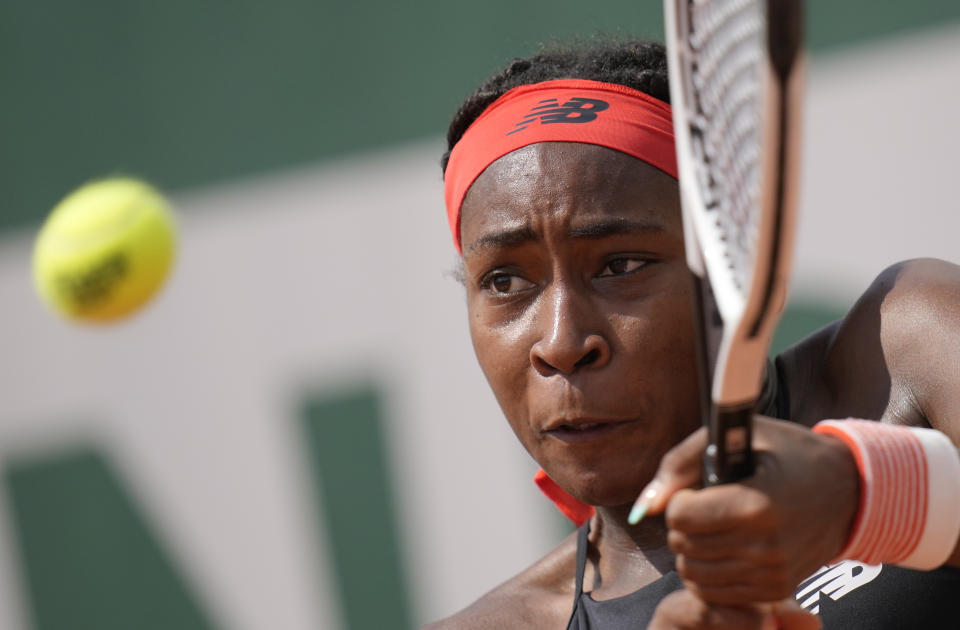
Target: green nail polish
{"points": [[637, 513]]}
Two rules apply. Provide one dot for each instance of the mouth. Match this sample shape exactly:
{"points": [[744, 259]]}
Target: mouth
{"points": [[584, 429]]}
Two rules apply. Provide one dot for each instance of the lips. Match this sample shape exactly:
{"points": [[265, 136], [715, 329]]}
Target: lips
{"points": [[583, 429]]}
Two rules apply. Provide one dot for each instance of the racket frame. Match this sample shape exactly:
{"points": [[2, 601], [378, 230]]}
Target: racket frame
{"points": [[734, 328]]}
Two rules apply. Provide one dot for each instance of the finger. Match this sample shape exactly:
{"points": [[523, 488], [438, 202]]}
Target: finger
{"points": [[715, 546], [725, 545], [737, 594], [765, 584], [718, 509], [720, 572], [681, 610], [790, 616], [680, 468]]}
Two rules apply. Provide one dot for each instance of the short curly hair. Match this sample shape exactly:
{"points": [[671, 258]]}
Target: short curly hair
{"points": [[640, 65]]}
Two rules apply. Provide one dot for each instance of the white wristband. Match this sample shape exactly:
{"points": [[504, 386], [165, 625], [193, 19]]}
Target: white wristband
{"points": [[942, 526], [909, 510]]}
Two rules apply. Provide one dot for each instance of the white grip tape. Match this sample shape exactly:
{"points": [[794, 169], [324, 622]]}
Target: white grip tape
{"points": [[909, 510]]}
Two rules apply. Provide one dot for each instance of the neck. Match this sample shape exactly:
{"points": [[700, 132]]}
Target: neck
{"points": [[626, 557]]}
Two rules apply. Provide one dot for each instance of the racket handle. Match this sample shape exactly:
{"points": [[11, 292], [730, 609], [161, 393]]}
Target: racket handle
{"points": [[728, 456]]}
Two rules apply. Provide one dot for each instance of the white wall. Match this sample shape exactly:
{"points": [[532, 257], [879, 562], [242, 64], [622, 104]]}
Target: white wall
{"points": [[881, 161]]}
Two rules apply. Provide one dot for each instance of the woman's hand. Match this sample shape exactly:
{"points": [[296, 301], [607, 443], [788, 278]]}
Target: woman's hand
{"points": [[682, 610], [756, 540]]}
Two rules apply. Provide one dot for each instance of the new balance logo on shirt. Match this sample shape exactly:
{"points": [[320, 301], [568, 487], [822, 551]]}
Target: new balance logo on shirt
{"points": [[835, 581]]}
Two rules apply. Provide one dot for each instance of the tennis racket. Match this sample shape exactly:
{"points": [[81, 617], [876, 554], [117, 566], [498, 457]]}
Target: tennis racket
{"points": [[736, 70]]}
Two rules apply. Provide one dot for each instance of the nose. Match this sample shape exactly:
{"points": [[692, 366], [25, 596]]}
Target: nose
{"points": [[570, 337]]}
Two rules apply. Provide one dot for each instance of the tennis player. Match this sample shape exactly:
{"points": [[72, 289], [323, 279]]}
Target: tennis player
{"points": [[562, 198]]}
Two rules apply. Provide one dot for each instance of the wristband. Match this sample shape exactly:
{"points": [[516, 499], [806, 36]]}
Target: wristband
{"points": [[909, 511]]}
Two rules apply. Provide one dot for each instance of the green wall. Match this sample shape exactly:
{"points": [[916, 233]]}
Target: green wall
{"points": [[356, 501], [186, 93], [89, 558]]}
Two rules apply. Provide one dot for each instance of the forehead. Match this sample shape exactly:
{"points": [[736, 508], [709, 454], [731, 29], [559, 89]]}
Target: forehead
{"points": [[569, 182]]}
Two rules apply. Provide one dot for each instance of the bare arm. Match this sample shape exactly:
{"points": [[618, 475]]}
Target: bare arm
{"points": [[895, 358], [907, 327], [892, 358], [540, 597]]}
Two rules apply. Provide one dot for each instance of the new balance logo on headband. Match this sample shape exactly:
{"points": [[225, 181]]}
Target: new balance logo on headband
{"points": [[577, 110]]}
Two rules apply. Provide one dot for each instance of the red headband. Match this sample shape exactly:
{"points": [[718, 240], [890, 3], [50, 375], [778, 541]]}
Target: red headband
{"points": [[608, 115]]}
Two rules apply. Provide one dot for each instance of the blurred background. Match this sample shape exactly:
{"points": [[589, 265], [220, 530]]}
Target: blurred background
{"points": [[294, 434]]}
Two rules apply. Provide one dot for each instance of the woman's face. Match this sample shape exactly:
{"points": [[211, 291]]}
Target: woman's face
{"points": [[580, 312]]}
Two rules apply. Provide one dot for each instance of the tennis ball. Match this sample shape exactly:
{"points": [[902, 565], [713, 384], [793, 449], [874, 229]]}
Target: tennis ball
{"points": [[104, 250]]}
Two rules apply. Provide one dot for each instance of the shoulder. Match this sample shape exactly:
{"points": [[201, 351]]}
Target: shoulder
{"points": [[892, 357], [920, 337], [539, 597]]}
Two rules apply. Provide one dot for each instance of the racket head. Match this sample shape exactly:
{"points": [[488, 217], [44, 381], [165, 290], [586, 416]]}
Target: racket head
{"points": [[736, 73]]}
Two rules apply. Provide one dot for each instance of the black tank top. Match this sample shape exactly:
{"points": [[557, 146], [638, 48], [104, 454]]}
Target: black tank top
{"points": [[629, 612], [847, 596]]}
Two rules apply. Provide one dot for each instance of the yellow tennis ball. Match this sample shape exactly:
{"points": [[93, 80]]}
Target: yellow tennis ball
{"points": [[104, 250]]}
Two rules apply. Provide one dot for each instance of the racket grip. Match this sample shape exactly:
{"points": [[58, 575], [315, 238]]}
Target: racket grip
{"points": [[729, 456]]}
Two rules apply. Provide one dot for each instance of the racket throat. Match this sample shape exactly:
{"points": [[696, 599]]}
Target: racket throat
{"points": [[728, 456]]}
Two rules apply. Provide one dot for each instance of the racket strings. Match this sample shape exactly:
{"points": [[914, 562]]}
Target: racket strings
{"points": [[727, 41]]}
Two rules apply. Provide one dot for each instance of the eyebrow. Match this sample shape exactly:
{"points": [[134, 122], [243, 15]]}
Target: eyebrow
{"points": [[503, 238], [614, 226], [596, 229]]}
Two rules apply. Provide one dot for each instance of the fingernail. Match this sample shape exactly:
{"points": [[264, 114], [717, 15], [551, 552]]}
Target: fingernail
{"points": [[644, 501], [638, 512]]}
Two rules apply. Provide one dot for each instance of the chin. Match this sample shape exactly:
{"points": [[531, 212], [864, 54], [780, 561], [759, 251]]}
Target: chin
{"points": [[606, 483]]}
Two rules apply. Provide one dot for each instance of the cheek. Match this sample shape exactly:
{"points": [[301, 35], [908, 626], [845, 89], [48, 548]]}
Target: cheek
{"points": [[658, 351], [672, 333], [503, 356]]}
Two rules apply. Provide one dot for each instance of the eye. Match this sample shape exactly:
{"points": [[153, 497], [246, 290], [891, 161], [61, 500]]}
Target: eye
{"points": [[503, 283], [622, 266]]}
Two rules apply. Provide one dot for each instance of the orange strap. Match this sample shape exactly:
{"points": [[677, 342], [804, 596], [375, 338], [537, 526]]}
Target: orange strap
{"points": [[574, 509]]}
